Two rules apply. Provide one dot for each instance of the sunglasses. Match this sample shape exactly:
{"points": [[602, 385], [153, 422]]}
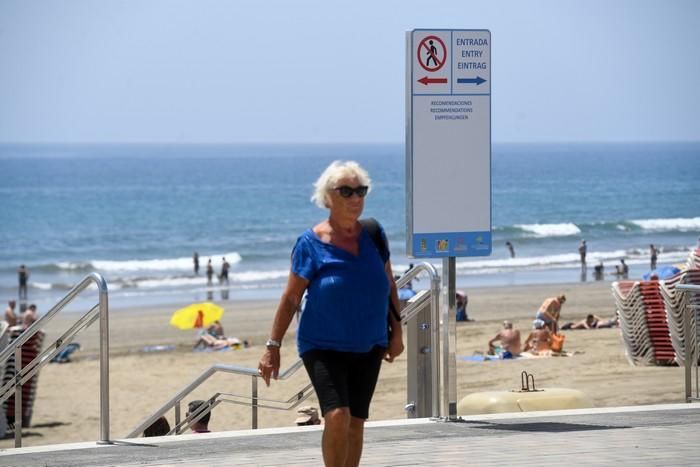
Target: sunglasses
{"points": [[347, 191]]}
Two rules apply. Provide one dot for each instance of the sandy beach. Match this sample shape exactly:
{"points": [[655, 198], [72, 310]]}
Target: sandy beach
{"points": [[67, 403]]}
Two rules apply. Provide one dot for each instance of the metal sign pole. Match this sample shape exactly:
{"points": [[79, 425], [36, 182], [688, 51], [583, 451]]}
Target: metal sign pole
{"points": [[448, 327]]}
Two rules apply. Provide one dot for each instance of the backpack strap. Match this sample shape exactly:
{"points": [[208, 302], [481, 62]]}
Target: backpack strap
{"points": [[373, 229]]}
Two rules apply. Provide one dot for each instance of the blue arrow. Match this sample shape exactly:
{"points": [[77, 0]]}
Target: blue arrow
{"points": [[478, 80]]}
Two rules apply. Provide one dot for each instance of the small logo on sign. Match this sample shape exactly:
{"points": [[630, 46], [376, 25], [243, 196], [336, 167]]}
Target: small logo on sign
{"points": [[480, 245], [442, 245], [461, 244]]}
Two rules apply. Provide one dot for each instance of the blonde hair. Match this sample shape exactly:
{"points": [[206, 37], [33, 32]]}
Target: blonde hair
{"points": [[334, 172]]}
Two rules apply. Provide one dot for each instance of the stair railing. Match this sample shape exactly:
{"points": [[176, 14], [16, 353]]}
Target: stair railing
{"points": [[691, 333], [415, 305], [24, 374], [175, 401]]}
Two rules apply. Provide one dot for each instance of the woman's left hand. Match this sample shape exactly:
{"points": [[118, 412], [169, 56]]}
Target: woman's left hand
{"points": [[395, 347]]}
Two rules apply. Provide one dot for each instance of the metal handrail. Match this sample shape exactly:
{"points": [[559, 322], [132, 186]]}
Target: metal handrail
{"points": [[415, 305], [691, 353], [174, 402], [407, 313], [289, 404], [437, 349], [28, 371], [22, 374]]}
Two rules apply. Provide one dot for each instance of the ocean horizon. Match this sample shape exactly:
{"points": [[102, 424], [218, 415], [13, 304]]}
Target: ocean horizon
{"points": [[135, 213]]}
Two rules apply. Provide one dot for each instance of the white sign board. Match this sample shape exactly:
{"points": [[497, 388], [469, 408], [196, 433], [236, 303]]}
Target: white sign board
{"points": [[448, 143]]}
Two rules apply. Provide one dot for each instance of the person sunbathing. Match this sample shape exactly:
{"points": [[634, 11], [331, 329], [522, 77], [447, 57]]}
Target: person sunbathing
{"points": [[214, 338], [592, 322], [218, 343], [509, 339], [539, 340], [216, 329]]}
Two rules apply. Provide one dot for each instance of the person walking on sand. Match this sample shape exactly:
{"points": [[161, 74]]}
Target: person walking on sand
{"points": [[511, 250], [195, 260], [342, 335], [23, 276], [653, 252], [582, 250]]}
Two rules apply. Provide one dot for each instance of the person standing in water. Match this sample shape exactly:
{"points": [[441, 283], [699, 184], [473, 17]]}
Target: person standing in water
{"points": [[511, 249]]}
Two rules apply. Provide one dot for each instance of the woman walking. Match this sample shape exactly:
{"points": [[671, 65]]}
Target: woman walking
{"points": [[343, 330]]}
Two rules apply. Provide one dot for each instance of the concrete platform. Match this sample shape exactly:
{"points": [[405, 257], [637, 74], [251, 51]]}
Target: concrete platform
{"points": [[646, 435]]}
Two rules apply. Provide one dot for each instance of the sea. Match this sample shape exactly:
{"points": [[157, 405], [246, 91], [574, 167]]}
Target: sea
{"points": [[136, 214]]}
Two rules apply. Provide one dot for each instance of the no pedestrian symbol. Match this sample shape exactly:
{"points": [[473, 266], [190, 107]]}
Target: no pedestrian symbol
{"points": [[432, 53]]}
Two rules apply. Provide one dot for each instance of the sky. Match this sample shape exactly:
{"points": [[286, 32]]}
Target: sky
{"points": [[276, 71]]}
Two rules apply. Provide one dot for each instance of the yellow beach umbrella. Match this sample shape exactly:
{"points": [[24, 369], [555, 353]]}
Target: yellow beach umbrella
{"points": [[197, 315]]}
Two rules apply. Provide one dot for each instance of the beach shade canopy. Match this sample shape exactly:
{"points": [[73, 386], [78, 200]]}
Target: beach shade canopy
{"points": [[663, 272], [197, 315]]}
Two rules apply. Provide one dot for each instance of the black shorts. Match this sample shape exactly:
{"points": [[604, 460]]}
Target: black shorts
{"points": [[344, 379]]}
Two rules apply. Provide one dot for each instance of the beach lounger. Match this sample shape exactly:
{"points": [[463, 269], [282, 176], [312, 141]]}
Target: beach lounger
{"points": [[651, 316], [635, 335], [4, 340], [30, 350], [676, 305]]}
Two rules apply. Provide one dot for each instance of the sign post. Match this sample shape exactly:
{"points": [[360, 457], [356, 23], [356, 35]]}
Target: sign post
{"points": [[448, 164]]}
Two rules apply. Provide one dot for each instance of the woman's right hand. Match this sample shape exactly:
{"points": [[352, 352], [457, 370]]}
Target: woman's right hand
{"points": [[269, 365]]}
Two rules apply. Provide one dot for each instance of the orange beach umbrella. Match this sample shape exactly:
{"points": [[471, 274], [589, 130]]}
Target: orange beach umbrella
{"points": [[197, 315]]}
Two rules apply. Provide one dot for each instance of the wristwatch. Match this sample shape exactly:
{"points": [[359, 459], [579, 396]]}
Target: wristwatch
{"points": [[273, 343]]}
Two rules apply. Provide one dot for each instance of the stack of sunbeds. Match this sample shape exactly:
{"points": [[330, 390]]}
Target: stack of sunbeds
{"points": [[30, 350], [651, 316], [635, 333], [676, 304], [657, 324], [4, 340]]}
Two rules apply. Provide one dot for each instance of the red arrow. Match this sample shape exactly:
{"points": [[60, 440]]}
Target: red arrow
{"points": [[426, 81]]}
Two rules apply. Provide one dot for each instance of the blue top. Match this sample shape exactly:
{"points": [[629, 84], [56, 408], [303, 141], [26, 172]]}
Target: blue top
{"points": [[347, 297]]}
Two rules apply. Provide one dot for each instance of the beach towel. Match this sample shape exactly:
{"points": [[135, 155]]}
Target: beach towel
{"points": [[212, 349], [64, 355], [480, 358], [523, 355], [547, 354], [158, 348]]}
